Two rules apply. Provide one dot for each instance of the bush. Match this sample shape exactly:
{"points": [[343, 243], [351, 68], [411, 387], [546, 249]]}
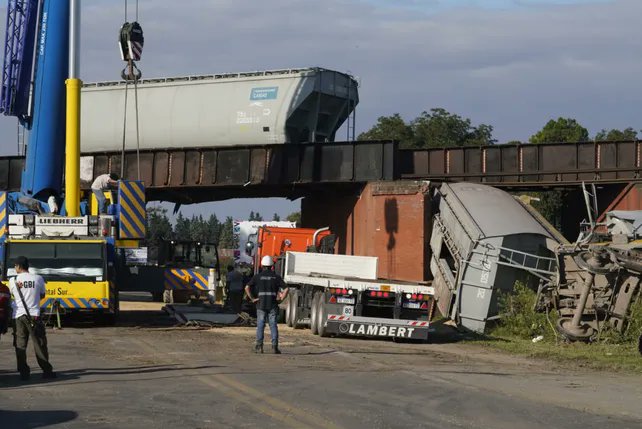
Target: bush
{"points": [[519, 318], [633, 329]]}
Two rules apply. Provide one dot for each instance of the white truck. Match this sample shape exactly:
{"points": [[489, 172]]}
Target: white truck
{"points": [[341, 295]]}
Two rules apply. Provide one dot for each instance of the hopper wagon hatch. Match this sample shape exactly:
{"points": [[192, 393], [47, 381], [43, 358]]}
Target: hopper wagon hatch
{"points": [[235, 109]]}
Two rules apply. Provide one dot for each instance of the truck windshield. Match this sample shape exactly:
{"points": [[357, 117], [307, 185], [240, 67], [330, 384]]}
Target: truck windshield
{"points": [[59, 261], [208, 256]]}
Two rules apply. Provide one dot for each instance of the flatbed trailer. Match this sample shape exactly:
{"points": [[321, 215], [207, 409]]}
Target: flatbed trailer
{"points": [[341, 295]]}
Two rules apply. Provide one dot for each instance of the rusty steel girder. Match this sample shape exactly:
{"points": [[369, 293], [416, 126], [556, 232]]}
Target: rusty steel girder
{"points": [[209, 174], [512, 165], [274, 170]]}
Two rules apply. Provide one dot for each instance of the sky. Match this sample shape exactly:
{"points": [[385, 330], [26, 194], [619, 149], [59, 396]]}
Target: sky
{"points": [[513, 64]]}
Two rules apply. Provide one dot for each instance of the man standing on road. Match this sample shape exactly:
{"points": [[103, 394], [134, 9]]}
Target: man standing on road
{"points": [[270, 289], [27, 290], [234, 283], [99, 186], [5, 308]]}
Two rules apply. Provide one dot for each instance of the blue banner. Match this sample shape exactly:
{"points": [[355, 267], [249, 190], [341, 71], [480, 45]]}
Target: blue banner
{"points": [[268, 93]]}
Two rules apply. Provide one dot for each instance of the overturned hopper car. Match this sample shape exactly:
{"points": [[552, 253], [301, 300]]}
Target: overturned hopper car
{"points": [[255, 108], [482, 241]]}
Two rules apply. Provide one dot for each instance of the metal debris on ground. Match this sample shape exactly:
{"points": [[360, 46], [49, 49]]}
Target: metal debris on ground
{"points": [[207, 316], [600, 276]]}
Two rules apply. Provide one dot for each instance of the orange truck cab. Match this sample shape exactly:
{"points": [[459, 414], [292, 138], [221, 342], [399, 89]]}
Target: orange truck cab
{"points": [[275, 242]]}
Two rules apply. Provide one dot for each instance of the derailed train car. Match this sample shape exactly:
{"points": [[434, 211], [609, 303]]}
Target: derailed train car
{"points": [[483, 241], [254, 108], [471, 240]]}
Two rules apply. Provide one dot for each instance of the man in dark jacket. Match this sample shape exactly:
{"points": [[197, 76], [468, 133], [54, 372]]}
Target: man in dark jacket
{"points": [[234, 281], [270, 289]]}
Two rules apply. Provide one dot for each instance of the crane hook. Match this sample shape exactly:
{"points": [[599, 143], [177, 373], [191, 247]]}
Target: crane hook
{"points": [[131, 41]]}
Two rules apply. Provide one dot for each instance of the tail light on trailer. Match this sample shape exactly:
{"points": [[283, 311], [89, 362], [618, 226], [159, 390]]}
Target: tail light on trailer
{"points": [[417, 301], [340, 291], [417, 297], [380, 294]]}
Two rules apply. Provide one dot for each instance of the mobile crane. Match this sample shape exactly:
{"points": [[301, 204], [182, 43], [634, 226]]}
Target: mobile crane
{"points": [[73, 248]]}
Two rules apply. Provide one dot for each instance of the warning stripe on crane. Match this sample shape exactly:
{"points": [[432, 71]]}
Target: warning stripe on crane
{"points": [[131, 198], [3, 214], [75, 303], [185, 279]]}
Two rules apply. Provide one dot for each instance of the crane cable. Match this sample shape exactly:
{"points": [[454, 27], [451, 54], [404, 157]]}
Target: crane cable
{"points": [[131, 43]]}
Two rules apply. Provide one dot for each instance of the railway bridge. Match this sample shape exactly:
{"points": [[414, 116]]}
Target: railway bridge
{"points": [[323, 170], [210, 174]]}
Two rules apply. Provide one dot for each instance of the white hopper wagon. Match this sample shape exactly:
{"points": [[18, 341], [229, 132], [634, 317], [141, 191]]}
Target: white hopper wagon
{"points": [[256, 108]]}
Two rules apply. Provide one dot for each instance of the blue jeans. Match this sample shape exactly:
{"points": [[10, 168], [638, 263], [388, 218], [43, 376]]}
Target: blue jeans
{"points": [[102, 200], [272, 316]]}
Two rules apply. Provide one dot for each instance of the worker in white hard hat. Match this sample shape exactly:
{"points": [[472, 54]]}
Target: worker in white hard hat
{"points": [[271, 290]]}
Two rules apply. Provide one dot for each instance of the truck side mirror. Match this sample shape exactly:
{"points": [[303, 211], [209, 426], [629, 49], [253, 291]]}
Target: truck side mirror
{"points": [[249, 248]]}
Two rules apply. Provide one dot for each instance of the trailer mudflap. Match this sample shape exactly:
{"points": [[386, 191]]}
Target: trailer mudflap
{"points": [[378, 328]]}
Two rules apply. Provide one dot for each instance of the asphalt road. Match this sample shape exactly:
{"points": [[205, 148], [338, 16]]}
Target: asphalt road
{"points": [[147, 374]]}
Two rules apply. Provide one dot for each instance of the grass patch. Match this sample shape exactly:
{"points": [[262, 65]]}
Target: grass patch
{"points": [[520, 323], [599, 356]]}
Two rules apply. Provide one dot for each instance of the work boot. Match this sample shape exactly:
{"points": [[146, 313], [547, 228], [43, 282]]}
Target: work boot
{"points": [[258, 348], [50, 374], [275, 350]]}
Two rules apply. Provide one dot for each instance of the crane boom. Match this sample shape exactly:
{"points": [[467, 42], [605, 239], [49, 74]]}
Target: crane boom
{"points": [[22, 19], [42, 175]]}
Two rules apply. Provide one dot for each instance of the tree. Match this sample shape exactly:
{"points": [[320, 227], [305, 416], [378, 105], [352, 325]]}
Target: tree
{"points": [[198, 230], [276, 218], [390, 128], [256, 217], [226, 239], [158, 225], [182, 228], [437, 128], [561, 130], [294, 217], [617, 135], [213, 229]]}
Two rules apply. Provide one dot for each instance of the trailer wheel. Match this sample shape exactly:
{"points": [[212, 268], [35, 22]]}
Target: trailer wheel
{"points": [[322, 315], [288, 309], [314, 313], [295, 309]]}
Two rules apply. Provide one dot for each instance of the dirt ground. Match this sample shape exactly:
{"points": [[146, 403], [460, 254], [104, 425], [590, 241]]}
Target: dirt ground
{"points": [[146, 372]]}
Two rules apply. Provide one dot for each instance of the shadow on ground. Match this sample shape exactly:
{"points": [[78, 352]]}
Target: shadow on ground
{"points": [[35, 419], [12, 379], [128, 318]]}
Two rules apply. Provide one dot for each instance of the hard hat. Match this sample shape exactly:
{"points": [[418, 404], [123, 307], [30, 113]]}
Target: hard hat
{"points": [[266, 261]]}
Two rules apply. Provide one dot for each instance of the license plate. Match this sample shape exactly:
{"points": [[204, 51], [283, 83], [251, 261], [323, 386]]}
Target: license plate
{"points": [[343, 300], [412, 305]]}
